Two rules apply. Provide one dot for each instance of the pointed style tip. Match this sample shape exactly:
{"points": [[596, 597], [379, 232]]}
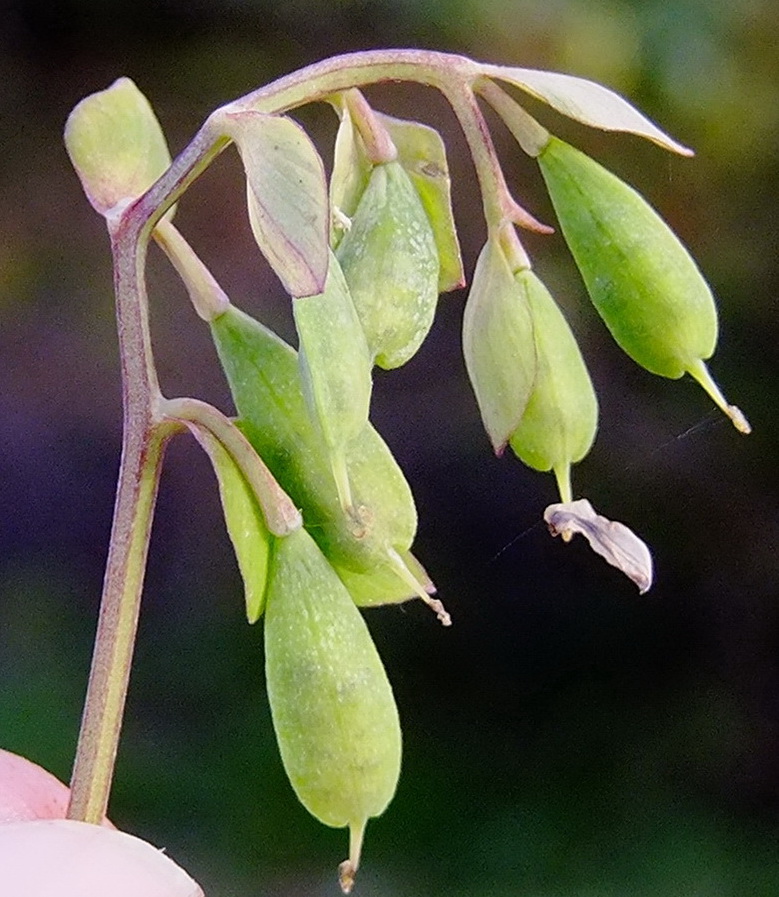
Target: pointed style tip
{"points": [[435, 604], [700, 372], [342, 482], [346, 876], [347, 871], [562, 474], [739, 420], [440, 611]]}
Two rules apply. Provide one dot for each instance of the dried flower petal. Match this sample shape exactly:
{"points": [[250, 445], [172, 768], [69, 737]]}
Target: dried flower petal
{"points": [[612, 540]]}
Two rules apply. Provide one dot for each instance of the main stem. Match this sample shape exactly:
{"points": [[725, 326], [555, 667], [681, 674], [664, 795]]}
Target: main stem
{"points": [[144, 440], [117, 624], [310, 84]]}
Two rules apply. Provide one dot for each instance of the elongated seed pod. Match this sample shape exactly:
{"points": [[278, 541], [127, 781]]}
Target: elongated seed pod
{"points": [[643, 282], [390, 261], [333, 710], [561, 415], [641, 279], [335, 366], [263, 374]]}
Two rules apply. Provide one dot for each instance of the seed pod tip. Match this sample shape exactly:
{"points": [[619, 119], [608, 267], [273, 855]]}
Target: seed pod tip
{"points": [[562, 474], [346, 876], [341, 477], [739, 420], [435, 604], [700, 372], [347, 870]]}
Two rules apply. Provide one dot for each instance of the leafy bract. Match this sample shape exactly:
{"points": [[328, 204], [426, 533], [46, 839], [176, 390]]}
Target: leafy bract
{"points": [[286, 194], [116, 145], [245, 523], [586, 102], [421, 152]]}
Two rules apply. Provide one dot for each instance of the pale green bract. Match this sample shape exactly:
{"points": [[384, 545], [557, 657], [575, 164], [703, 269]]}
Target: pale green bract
{"points": [[585, 101], [286, 194], [245, 523]]}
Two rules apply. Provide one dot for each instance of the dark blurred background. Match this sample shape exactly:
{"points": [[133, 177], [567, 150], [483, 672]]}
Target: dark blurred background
{"points": [[565, 738]]}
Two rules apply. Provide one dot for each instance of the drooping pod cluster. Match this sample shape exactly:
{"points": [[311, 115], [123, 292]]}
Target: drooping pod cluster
{"points": [[529, 378], [319, 513], [306, 414]]}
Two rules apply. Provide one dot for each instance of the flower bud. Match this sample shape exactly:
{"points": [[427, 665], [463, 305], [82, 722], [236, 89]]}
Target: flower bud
{"points": [[116, 145], [333, 710], [643, 282], [390, 262], [561, 415]]}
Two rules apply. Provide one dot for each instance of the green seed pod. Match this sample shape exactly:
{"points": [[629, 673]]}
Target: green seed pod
{"points": [[333, 710], [390, 262], [561, 416], [498, 344], [643, 282], [265, 381], [336, 370]]}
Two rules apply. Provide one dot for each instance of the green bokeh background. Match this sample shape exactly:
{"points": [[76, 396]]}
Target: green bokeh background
{"points": [[565, 738]]}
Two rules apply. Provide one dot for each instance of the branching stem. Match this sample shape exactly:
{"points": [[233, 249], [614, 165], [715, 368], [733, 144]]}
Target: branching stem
{"points": [[149, 421], [144, 441], [281, 515]]}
